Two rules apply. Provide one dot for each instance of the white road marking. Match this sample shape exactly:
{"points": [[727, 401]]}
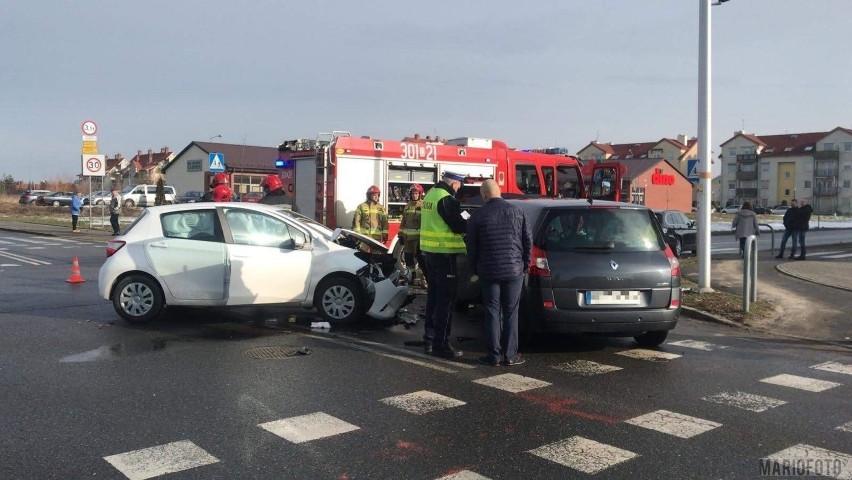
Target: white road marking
{"points": [[746, 401], [511, 382], [802, 459], [650, 355], [838, 256], [9, 265], [160, 460], [28, 240], [422, 402], [587, 456], [802, 383], [846, 427], [585, 368], [22, 258], [464, 475], [698, 345], [834, 367], [675, 424], [35, 248], [308, 427]]}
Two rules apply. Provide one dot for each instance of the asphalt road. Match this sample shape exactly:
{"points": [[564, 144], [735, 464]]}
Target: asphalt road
{"points": [[87, 395]]}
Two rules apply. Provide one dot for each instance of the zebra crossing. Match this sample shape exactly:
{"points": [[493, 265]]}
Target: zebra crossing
{"points": [[14, 251], [576, 453]]}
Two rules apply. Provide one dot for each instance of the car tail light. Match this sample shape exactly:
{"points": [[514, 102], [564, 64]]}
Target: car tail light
{"points": [[673, 262], [114, 246], [538, 264]]}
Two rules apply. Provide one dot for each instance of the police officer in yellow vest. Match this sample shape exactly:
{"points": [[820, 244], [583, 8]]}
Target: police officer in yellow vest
{"points": [[441, 229], [409, 230], [370, 217]]}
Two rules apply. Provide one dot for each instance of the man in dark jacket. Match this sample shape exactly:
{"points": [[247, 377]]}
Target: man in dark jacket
{"points": [[499, 243], [803, 221], [273, 188], [441, 229], [789, 223]]}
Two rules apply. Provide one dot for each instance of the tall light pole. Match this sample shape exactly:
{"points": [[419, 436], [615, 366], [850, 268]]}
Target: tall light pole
{"points": [[705, 176]]}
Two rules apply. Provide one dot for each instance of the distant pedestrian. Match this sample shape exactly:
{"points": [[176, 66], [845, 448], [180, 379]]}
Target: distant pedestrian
{"points": [[115, 211], [409, 232], [76, 208], [441, 229], [789, 230], [803, 224], [745, 225], [370, 217], [499, 244]]}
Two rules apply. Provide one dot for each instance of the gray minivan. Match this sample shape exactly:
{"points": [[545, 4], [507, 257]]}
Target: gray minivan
{"points": [[599, 267]]}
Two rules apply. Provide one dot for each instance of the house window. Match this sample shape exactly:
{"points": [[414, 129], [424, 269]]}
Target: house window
{"points": [[807, 184], [847, 146], [598, 157], [786, 192], [847, 183], [732, 185], [828, 146], [764, 167], [847, 167], [732, 151], [732, 168], [787, 174]]}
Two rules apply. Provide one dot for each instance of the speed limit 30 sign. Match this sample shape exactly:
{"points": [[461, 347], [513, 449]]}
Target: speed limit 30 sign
{"points": [[94, 166]]}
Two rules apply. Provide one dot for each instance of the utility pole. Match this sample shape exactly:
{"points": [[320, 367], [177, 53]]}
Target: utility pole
{"points": [[705, 176]]}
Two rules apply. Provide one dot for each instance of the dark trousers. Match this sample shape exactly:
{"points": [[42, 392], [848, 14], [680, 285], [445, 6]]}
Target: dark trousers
{"points": [[74, 222], [409, 262], [794, 234], [501, 299], [113, 220], [802, 234], [441, 298]]}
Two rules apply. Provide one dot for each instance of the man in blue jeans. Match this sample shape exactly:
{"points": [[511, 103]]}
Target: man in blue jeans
{"points": [[499, 245], [789, 231]]}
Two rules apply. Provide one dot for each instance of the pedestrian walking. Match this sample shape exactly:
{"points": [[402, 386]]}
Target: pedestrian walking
{"points": [[803, 224], [409, 233], [789, 231], [115, 211], [441, 229], [274, 193], [499, 244], [76, 208], [370, 218], [745, 225]]}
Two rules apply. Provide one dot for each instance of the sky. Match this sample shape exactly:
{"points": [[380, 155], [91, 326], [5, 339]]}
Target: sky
{"points": [[561, 73]]}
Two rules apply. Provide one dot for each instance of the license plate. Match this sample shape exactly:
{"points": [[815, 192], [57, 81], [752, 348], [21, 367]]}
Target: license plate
{"points": [[612, 297]]}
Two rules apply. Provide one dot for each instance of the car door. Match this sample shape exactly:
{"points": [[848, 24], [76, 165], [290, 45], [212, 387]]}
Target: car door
{"points": [[270, 258], [190, 256]]}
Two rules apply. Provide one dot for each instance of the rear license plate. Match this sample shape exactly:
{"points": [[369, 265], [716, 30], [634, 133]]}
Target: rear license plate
{"points": [[612, 297]]}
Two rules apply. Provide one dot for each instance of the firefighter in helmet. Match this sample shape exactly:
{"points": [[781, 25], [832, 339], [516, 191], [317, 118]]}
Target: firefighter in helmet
{"points": [[409, 231], [274, 193], [219, 191], [370, 218]]}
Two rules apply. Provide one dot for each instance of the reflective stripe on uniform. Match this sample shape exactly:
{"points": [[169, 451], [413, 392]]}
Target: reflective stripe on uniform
{"points": [[435, 234]]}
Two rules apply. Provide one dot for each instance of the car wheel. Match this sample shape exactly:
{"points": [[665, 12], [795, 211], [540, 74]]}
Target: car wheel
{"points": [[339, 299], [651, 339], [137, 299], [129, 203], [56, 203], [99, 202], [678, 247]]}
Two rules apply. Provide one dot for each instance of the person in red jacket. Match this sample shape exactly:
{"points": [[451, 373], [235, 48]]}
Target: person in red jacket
{"points": [[221, 190]]}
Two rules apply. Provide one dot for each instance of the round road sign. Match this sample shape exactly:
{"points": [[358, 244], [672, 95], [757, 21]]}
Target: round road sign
{"points": [[89, 127], [93, 164]]}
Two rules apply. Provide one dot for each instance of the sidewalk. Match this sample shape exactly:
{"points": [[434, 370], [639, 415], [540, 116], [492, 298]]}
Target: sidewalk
{"points": [[813, 296]]}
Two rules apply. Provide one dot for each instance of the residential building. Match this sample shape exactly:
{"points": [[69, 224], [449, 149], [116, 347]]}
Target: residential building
{"points": [[774, 169]]}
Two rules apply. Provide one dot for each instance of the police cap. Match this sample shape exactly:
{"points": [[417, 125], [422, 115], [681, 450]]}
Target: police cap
{"points": [[458, 177]]}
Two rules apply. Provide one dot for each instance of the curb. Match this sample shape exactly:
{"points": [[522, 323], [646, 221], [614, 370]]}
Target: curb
{"points": [[811, 279]]}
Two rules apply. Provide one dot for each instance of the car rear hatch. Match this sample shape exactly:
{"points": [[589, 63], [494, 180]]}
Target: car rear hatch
{"points": [[603, 259]]}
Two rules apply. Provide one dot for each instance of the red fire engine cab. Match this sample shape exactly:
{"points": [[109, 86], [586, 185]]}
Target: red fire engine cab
{"points": [[331, 174]]}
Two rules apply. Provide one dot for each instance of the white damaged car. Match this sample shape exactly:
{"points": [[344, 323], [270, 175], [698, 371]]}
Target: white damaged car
{"points": [[236, 254]]}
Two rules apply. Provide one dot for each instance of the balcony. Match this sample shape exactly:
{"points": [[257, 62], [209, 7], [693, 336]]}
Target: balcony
{"points": [[826, 191], [747, 158], [747, 175], [827, 155], [747, 192]]}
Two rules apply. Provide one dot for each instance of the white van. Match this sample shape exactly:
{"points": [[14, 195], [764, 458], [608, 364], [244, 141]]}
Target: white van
{"points": [[145, 195]]}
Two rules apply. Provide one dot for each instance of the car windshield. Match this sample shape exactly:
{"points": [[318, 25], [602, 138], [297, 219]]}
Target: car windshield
{"points": [[619, 229]]}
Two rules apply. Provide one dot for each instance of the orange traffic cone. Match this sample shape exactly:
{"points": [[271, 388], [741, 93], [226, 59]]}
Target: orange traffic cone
{"points": [[75, 273]]}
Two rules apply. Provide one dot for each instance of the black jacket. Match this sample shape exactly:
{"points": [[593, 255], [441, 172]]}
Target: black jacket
{"points": [[802, 219], [278, 197], [449, 208], [498, 241], [790, 218]]}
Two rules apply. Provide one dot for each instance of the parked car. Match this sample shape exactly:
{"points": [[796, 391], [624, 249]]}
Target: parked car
{"points": [[97, 198], [224, 254], [599, 268], [145, 195], [731, 209], [760, 209], [56, 199], [30, 197], [189, 197], [679, 231], [780, 210], [252, 197]]}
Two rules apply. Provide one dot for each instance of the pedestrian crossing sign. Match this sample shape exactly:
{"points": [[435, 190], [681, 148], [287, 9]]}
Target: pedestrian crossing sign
{"points": [[692, 170], [217, 162]]}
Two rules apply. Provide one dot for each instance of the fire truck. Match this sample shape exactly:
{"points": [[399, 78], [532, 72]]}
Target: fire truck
{"points": [[331, 174]]}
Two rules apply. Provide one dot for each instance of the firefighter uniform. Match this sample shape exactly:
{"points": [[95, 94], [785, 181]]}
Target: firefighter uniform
{"points": [[409, 228], [370, 218], [441, 240]]}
